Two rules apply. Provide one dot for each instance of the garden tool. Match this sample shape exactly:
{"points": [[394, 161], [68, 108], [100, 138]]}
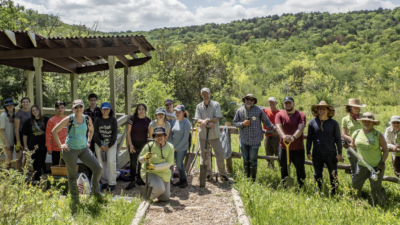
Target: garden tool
{"points": [[145, 191], [190, 155], [203, 168], [195, 157], [289, 181], [374, 173]]}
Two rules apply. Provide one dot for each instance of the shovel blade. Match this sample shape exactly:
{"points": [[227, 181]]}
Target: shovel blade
{"points": [[203, 175], [145, 192], [288, 182], [188, 161]]}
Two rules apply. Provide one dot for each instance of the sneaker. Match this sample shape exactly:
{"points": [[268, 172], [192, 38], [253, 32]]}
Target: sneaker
{"points": [[111, 188], [183, 183], [140, 182], [130, 186], [177, 183]]}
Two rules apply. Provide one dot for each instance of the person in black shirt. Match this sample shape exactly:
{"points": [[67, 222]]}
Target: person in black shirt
{"points": [[325, 140], [105, 137], [34, 137]]}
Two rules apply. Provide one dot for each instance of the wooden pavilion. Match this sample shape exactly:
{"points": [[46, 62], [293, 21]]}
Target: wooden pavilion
{"points": [[74, 56]]}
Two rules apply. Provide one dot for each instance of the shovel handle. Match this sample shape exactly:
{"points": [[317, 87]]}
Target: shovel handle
{"points": [[287, 151]]}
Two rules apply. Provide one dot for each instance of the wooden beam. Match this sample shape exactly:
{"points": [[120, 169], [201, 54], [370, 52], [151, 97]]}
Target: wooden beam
{"points": [[141, 48], [32, 37], [29, 85], [50, 43], [38, 63], [11, 36], [111, 65], [83, 42], [69, 44], [74, 86], [65, 63], [66, 52], [24, 41], [100, 42], [118, 65], [128, 90], [123, 60], [5, 42]]}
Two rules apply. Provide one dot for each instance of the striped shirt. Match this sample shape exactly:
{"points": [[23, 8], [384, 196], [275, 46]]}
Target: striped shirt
{"points": [[253, 134]]}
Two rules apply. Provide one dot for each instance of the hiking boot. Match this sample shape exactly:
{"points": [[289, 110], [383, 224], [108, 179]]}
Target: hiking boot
{"points": [[183, 183], [104, 187], [140, 182], [209, 178], [111, 188], [247, 169], [253, 171], [177, 183], [130, 186], [224, 178]]}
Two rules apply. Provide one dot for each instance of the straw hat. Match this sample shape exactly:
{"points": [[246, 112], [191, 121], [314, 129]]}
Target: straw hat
{"points": [[355, 102], [369, 117], [314, 109]]}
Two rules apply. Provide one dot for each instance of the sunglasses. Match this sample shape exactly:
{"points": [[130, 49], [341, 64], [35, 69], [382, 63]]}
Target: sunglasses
{"points": [[395, 122], [369, 117], [78, 107], [159, 135], [249, 99]]}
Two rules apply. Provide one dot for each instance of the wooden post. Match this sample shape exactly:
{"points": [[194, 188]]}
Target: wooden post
{"points": [[128, 90], [74, 86], [38, 63], [29, 85], [111, 65]]}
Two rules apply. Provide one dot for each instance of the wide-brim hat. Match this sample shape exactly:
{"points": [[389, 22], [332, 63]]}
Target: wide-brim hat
{"points": [[394, 118], [250, 96], [159, 130], [369, 117], [314, 109], [355, 102], [9, 101]]}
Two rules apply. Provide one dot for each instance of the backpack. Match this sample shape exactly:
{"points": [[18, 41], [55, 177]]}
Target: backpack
{"points": [[71, 122]]}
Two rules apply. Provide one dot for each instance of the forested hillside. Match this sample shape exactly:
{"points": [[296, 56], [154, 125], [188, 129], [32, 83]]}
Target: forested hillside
{"points": [[311, 56]]}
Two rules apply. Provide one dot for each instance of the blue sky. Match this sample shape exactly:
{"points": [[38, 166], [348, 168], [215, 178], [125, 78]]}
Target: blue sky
{"points": [[122, 15]]}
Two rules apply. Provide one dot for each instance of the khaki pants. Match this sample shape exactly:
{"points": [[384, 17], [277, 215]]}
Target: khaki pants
{"points": [[206, 155], [271, 146], [359, 179], [160, 189]]}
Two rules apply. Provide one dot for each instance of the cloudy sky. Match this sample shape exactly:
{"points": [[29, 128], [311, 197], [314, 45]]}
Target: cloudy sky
{"points": [[122, 15]]}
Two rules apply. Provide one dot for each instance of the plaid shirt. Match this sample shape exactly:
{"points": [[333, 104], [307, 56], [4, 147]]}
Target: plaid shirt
{"points": [[93, 114], [253, 134]]}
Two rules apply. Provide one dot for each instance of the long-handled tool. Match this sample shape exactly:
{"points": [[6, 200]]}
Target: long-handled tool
{"points": [[374, 173], [289, 181], [190, 155], [195, 157], [145, 191], [203, 168]]}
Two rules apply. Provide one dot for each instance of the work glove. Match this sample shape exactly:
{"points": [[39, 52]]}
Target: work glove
{"points": [[150, 167], [380, 167], [18, 147], [147, 156]]}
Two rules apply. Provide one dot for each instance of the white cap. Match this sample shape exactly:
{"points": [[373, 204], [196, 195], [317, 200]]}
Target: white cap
{"points": [[272, 99], [205, 90]]}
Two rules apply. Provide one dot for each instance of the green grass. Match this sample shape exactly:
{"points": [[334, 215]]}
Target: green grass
{"points": [[266, 202]]}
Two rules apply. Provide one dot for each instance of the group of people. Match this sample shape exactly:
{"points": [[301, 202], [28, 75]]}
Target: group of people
{"points": [[324, 141], [155, 145]]}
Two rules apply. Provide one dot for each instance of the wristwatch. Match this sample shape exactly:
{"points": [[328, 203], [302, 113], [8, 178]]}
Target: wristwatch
{"points": [[294, 137], [89, 142]]}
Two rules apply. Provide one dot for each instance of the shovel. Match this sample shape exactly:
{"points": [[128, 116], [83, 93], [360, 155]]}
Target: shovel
{"points": [[145, 191], [289, 181], [203, 168], [190, 155]]}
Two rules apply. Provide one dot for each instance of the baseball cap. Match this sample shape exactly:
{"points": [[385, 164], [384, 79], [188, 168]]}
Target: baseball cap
{"points": [[105, 105], [77, 102], [168, 100], [272, 99], [159, 130], [180, 108], [205, 90], [288, 99], [58, 103], [160, 110]]}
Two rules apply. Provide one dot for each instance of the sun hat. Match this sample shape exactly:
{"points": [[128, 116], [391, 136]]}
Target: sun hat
{"points": [[180, 108], [250, 96], [9, 101], [288, 99], [314, 109], [105, 105], [354, 102], [394, 118], [77, 102], [160, 110], [205, 90], [168, 100], [159, 130], [369, 117], [272, 99]]}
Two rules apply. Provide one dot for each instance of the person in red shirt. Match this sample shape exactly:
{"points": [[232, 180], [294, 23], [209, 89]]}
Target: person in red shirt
{"points": [[290, 124], [51, 145], [271, 140]]}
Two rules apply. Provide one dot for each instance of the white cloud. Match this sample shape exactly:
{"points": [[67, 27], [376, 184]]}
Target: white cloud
{"points": [[125, 15]]}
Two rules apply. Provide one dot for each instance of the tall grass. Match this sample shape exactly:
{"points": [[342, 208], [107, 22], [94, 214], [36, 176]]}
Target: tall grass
{"points": [[23, 202]]}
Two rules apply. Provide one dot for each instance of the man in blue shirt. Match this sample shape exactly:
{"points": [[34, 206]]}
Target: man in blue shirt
{"points": [[248, 118]]}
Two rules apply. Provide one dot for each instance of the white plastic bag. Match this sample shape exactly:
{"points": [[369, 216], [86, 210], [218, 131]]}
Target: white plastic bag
{"points": [[226, 144], [83, 184]]}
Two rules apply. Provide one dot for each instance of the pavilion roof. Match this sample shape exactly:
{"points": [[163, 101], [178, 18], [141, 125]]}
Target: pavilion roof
{"points": [[71, 55]]}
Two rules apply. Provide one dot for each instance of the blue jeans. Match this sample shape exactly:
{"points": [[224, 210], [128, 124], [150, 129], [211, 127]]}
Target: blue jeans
{"points": [[179, 157], [250, 153]]}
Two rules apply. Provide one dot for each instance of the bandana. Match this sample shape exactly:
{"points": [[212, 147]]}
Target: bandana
{"points": [[355, 116]]}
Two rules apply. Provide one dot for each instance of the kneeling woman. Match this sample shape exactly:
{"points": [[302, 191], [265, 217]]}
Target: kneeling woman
{"points": [[161, 156], [77, 146], [369, 143]]}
